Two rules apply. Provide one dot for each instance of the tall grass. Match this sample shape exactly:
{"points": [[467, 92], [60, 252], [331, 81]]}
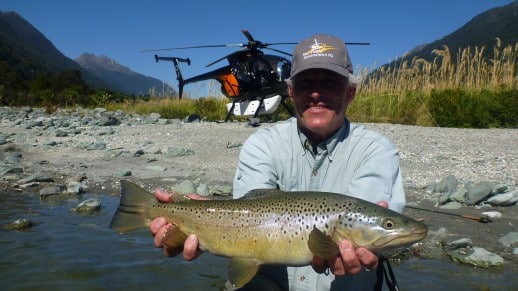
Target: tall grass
{"points": [[415, 92], [210, 109]]}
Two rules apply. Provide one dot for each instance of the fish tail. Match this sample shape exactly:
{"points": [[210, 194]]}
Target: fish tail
{"points": [[131, 213]]}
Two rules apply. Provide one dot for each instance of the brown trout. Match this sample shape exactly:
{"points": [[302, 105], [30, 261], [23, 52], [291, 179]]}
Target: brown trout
{"points": [[270, 226]]}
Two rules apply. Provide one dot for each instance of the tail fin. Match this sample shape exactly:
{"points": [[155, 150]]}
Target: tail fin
{"points": [[131, 214]]}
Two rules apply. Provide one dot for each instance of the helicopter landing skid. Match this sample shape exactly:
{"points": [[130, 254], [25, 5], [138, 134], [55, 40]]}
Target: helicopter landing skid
{"points": [[255, 107]]}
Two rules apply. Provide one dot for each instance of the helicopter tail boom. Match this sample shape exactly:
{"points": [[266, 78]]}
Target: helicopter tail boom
{"points": [[176, 62]]}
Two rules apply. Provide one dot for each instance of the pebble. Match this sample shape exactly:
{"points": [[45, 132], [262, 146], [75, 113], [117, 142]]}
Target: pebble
{"points": [[492, 214]]}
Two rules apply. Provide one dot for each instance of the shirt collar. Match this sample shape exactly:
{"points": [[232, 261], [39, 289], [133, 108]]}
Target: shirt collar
{"points": [[328, 144]]}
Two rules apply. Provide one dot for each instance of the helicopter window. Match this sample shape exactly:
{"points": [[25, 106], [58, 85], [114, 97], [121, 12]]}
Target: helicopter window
{"points": [[261, 71], [241, 72], [283, 70]]}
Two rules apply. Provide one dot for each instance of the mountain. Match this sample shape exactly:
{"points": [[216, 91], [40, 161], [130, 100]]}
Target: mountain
{"points": [[121, 77], [26, 52], [482, 30]]}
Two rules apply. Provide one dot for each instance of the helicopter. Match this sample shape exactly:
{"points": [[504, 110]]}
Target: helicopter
{"points": [[253, 80]]}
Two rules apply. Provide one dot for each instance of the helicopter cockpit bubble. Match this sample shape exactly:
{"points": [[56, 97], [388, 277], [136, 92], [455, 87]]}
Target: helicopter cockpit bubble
{"points": [[283, 70]]}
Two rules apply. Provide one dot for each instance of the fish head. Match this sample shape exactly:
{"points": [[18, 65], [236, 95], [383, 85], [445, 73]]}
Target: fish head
{"points": [[379, 229]]}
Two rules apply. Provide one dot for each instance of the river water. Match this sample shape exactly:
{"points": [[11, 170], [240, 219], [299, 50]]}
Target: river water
{"points": [[72, 251]]}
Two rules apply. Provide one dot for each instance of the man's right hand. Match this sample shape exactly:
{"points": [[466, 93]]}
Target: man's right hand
{"points": [[161, 229]]}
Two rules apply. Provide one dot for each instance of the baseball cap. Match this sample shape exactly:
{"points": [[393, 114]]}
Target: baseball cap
{"points": [[321, 51]]}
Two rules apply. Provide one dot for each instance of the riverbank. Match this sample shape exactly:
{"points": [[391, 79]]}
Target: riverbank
{"points": [[89, 151]]}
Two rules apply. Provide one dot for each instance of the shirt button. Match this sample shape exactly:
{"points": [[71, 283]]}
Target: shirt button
{"points": [[302, 278]]}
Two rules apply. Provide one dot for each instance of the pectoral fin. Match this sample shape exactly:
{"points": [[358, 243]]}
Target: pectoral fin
{"points": [[174, 238], [322, 245], [242, 270]]}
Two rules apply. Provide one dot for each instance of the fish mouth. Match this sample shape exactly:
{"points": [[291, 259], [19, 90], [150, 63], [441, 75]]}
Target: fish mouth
{"points": [[399, 241], [419, 231]]}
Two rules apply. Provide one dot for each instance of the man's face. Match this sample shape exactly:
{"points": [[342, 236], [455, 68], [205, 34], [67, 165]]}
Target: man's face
{"points": [[321, 98]]}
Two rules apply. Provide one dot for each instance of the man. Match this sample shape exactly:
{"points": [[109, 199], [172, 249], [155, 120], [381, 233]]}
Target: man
{"points": [[319, 150]]}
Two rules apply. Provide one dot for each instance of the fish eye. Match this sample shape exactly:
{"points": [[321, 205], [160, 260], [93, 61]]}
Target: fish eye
{"points": [[389, 224]]}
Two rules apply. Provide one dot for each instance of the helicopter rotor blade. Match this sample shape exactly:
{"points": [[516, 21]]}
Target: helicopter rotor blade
{"points": [[194, 47], [248, 35], [279, 51], [217, 61], [357, 43]]}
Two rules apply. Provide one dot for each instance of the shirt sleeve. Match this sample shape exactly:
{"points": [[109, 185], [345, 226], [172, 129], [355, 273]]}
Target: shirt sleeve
{"points": [[255, 169]]}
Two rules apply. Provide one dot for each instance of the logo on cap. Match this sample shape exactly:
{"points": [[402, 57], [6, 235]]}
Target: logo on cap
{"points": [[319, 50]]}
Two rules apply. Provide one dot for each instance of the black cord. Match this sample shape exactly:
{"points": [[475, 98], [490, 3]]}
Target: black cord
{"points": [[384, 271]]}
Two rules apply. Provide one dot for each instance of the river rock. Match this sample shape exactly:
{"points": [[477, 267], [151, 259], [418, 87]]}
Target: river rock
{"points": [[172, 152], [87, 205], [476, 256], [12, 157], [451, 205], [492, 214], [221, 190], [460, 243], [52, 190], [448, 184], [19, 224], [203, 190], [154, 116], [123, 173], [459, 195], [509, 239], [185, 187], [75, 188], [37, 177], [478, 192], [504, 199]]}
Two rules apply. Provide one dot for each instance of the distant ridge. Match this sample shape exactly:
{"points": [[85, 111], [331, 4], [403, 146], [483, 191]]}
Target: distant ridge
{"points": [[482, 30], [121, 77], [25, 53]]}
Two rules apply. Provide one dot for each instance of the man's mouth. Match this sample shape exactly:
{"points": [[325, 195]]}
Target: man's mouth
{"points": [[319, 106]]}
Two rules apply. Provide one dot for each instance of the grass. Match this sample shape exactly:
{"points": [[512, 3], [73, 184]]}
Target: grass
{"points": [[460, 90]]}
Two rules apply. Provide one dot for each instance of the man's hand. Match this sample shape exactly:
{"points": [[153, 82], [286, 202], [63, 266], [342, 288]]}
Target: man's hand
{"points": [[161, 229], [350, 260]]}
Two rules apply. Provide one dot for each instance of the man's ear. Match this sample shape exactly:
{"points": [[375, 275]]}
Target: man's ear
{"points": [[290, 92], [350, 94]]}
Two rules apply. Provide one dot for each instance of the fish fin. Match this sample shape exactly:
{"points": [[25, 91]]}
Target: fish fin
{"points": [[131, 213], [322, 245], [242, 270], [174, 238]]}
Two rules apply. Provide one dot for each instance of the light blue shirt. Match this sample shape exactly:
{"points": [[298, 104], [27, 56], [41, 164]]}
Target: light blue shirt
{"points": [[354, 161]]}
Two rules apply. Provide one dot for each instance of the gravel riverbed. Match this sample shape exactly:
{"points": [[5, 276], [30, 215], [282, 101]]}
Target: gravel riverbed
{"points": [[97, 148]]}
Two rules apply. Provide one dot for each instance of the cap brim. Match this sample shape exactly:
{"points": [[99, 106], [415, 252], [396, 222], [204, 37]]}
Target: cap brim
{"points": [[328, 66]]}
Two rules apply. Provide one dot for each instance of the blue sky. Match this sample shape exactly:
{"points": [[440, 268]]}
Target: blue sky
{"points": [[120, 29]]}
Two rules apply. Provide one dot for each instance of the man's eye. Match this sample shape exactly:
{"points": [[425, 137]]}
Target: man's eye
{"points": [[299, 86]]}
